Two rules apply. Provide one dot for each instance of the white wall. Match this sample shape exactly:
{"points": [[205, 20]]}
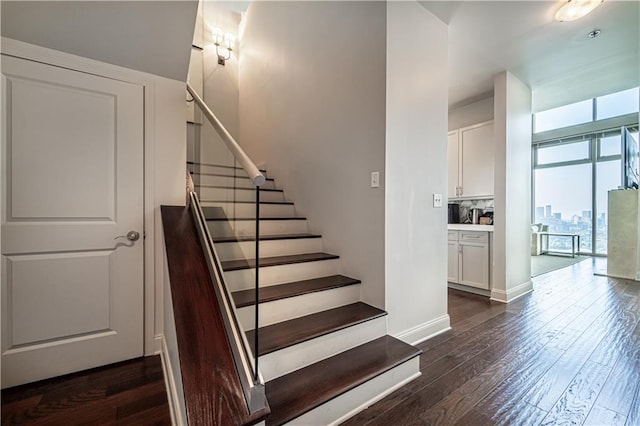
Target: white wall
{"points": [[221, 82], [312, 107], [512, 222], [473, 113], [416, 167]]}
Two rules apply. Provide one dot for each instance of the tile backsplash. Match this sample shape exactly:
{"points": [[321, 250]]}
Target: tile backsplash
{"points": [[467, 205]]}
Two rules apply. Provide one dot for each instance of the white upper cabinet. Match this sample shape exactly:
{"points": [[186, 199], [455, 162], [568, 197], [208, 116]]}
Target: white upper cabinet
{"points": [[471, 162]]}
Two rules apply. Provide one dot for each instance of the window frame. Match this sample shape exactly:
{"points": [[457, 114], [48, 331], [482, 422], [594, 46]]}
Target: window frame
{"points": [[594, 158], [594, 114]]}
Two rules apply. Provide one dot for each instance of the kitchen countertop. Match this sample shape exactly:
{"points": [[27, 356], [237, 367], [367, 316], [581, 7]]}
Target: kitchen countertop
{"points": [[469, 227]]}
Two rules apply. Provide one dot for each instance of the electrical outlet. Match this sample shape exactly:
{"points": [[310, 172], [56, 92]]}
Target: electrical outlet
{"points": [[437, 200], [375, 179]]}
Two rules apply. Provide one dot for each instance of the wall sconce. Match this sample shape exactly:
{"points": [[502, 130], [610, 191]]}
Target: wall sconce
{"points": [[223, 41]]}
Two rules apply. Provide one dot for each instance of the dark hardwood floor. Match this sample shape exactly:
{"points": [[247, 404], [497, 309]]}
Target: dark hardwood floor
{"points": [[569, 353], [128, 393]]}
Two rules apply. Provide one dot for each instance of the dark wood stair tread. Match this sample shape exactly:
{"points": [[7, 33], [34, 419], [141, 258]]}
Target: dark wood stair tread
{"points": [[290, 203], [217, 213], [288, 333], [238, 188], [262, 219], [227, 176], [240, 238], [296, 393], [235, 265], [270, 293]]}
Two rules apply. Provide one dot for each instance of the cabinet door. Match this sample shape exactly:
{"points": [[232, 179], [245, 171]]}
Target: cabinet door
{"points": [[474, 264], [453, 163], [452, 253], [477, 162]]}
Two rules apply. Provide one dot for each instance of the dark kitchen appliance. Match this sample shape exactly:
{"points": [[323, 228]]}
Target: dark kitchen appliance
{"points": [[454, 213]]}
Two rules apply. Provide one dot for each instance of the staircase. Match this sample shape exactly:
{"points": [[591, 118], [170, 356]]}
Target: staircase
{"points": [[323, 353]]}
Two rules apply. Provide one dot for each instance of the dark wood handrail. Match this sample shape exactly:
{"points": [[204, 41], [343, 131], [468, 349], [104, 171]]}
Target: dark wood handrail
{"points": [[212, 390]]}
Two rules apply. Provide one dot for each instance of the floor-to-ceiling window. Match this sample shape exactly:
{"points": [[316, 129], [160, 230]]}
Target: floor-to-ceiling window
{"points": [[576, 161]]}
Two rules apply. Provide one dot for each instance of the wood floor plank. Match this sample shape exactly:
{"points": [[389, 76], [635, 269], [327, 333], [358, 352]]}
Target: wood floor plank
{"points": [[505, 401], [88, 397], [633, 418], [574, 404], [520, 413], [551, 386], [453, 408], [569, 312], [451, 404], [599, 416], [621, 386]]}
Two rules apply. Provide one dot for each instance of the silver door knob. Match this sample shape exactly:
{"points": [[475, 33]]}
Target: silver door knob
{"points": [[131, 236]]}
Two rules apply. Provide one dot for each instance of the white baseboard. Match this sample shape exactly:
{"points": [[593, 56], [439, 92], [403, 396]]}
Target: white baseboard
{"points": [[158, 342], [468, 289], [513, 293], [175, 406], [425, 331]]}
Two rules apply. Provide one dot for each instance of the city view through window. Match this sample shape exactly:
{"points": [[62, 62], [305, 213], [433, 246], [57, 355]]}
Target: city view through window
{"points": [[572, 178]]}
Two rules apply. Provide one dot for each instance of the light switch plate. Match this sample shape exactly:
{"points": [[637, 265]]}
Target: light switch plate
{"points": [[437, 200], [375, 179]]}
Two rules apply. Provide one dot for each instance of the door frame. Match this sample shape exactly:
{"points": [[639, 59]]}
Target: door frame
{"points": [[152, 267]]}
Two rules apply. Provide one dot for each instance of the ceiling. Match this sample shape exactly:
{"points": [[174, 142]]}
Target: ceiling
{"points": [[557, 60], [150, 36]]}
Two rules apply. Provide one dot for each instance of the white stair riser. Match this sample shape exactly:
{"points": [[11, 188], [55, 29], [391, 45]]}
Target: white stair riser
{"points": [[294, 357], [249, 209], [248, 227], [230, 194], [298, 306], [231, 181], [219, 170], [268, 248], [244, 279], [341, 408]]}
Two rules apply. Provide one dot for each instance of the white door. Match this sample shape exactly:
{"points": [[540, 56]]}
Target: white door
{"points": [[72, 168]]}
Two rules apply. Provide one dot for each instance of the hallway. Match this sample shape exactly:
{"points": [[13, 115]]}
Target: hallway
{"points": [[567, 353]]}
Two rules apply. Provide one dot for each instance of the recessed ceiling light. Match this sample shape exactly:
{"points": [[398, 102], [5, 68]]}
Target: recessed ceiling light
{"points": [[594, 33], [576, 9]]}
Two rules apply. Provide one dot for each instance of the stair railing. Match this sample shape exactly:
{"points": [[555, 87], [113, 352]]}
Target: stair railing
{"points": [[226, 207]]}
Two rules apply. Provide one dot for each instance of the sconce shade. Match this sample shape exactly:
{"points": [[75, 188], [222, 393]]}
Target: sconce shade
{"points": [[576, 9]]}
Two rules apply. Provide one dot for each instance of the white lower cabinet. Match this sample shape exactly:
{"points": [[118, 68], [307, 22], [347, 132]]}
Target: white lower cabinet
{"points": [[468, 262]]}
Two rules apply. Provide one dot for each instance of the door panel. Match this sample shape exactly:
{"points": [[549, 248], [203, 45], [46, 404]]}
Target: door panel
{"points": [[452, 261], [72, 161], [474, 265]]}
